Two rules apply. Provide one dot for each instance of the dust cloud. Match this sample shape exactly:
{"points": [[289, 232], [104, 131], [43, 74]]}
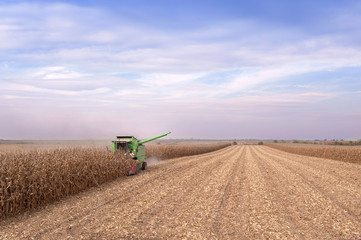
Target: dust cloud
{"points": [[152, 160]]}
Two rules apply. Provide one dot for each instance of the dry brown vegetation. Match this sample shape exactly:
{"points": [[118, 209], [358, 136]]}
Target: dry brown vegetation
{"points": [[162, 152], [30, 179], [340, 153]]}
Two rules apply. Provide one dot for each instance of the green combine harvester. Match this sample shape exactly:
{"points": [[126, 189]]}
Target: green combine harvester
{"points": [[135, 148]]}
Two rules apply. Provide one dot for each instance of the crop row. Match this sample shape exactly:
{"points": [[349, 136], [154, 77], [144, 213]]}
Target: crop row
{"points": [[340, 153], [33, 178], [173, 151]]}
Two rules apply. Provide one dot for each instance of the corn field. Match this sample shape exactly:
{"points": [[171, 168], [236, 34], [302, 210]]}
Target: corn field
{"points": [[340, 153], [30, 179], [174, 151]]}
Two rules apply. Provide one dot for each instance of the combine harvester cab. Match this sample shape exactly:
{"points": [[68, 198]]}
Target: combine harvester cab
{"points": [[135, 148]]}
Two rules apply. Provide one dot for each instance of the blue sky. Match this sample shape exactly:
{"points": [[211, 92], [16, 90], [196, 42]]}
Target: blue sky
{"points": [[202, 69]]}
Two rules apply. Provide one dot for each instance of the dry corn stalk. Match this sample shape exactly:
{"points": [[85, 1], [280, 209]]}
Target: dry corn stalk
{"points": [[170, 151], [342, 153], [34, 178]]}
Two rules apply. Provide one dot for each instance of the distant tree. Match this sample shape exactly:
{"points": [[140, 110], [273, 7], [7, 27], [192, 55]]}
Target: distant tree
{"points": [[260, 143]]}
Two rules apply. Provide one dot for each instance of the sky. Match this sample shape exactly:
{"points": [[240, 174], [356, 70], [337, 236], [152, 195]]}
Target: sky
{"points": [[200, 69]]}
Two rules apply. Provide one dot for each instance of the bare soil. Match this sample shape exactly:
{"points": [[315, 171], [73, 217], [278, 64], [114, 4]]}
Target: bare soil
{"points": [[239, 192]]}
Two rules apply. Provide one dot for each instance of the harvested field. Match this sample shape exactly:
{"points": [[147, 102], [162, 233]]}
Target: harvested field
{"points": [[341, 153], [239, 192]]}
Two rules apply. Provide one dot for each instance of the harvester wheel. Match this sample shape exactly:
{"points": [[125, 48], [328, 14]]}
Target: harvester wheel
{"points": [[144, 166], [134, 170]]}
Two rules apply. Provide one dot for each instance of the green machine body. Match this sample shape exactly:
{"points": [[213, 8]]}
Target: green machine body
{"points": [[135, 148]]}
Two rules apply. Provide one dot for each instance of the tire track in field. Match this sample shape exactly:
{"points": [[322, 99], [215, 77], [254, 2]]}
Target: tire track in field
{"points": [[343, 171], [264, 220], [317, 210], [222, 211], [343, 193], [278, 187]]}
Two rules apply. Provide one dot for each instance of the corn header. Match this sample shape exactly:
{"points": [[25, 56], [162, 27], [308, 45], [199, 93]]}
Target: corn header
{"points": [[135, 148]]}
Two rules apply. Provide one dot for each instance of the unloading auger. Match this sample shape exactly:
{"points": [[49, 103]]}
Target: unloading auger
{"points": [[135, 148]]}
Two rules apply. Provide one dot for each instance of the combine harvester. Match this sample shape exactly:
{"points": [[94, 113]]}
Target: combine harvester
{"points": [[135, 148]]}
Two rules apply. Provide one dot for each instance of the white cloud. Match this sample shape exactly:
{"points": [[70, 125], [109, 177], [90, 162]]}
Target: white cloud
{"points": [[56, 72], [29, 88], [317, 94], [73, 54], [66, 32], [19, 97]]}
